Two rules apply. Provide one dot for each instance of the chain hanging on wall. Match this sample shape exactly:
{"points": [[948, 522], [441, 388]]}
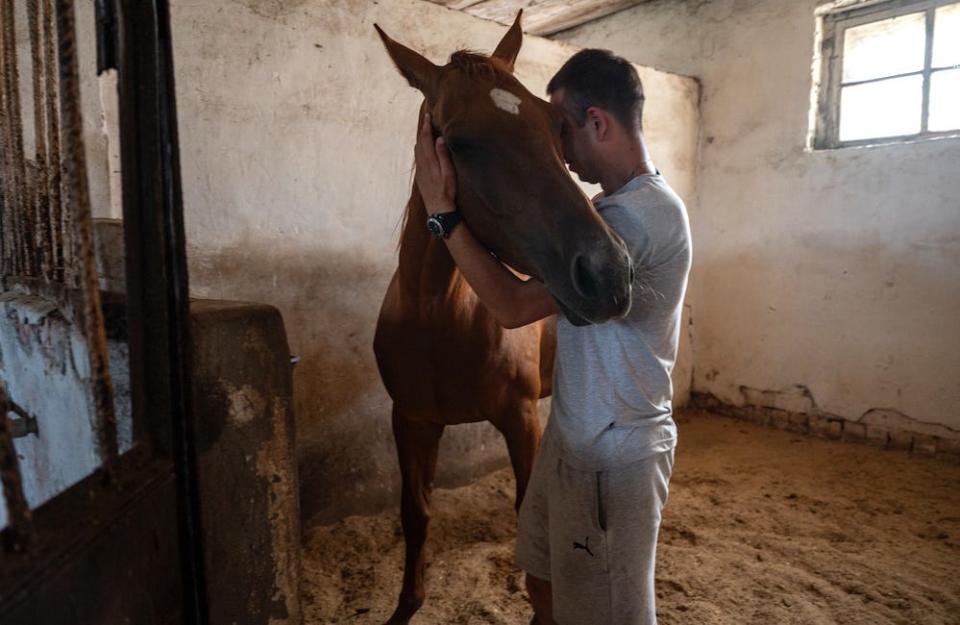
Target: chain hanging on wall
{"points": [[78, 200], [14, 164], [54, 171], [46, 224], [43, 239], [33, 224]]}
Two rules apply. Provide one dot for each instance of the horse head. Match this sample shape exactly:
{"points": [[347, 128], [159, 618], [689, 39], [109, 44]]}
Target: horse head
{"points": [[513, 187]]}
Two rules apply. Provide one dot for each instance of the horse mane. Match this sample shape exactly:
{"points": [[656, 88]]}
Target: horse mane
{"points": [[477, 65], [414, 205]]}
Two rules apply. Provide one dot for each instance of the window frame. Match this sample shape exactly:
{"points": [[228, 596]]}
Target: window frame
{"points": [[833, 29]]}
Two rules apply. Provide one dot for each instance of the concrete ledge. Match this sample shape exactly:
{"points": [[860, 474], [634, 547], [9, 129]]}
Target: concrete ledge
{"points": [[948, 449], [835, 428]]}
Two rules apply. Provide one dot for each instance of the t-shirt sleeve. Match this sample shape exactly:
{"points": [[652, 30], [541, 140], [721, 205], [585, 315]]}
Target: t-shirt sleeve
{"points": [[635, 234], [657, 236]]}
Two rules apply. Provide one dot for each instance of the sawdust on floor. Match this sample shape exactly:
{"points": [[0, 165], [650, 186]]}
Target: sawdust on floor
{"points": [[762, 527]]}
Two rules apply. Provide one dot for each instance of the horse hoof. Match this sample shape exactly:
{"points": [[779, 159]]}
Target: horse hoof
{"points": [[406, 608], [399, 619]]}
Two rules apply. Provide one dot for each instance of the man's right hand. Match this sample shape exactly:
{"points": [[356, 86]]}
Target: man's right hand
{"points": [[512, 301], [435, 176]]}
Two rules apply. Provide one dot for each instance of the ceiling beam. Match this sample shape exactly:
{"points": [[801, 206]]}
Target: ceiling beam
{"points": [[456, 4], [541, 17], [553, 16]]}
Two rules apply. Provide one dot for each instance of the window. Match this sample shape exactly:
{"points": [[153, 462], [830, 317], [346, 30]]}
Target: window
{"points": [[890, 72]]}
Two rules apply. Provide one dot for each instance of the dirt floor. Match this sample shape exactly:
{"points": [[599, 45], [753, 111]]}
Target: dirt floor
{"points": [[762, 527]]}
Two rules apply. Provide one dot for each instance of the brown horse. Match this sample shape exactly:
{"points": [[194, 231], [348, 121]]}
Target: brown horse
{"points": [[441, 354]]}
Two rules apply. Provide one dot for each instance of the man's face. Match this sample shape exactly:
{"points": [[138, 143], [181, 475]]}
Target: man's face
{"points": [[578, 143]]}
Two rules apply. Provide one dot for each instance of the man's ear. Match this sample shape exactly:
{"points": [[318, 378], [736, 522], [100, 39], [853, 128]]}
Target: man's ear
{"points": [[509, 46], [419, 72], [600, 123]]}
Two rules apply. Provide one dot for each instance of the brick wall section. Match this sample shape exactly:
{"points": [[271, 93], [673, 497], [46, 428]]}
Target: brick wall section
{"points": [[834, 427]]}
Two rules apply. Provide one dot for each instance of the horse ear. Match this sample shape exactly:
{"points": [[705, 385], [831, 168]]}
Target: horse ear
{"points": [[419, 72], [509, 46]]}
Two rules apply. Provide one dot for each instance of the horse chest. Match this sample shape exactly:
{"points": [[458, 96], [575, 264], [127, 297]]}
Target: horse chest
{"points": [[461, 366]]}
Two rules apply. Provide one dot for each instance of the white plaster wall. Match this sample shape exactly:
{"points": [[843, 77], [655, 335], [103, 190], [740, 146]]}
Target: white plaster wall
{"points": [[663, 34], [296, 144], [835, 270]]}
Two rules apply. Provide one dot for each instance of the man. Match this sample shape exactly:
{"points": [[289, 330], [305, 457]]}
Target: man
{"points": [[589, 521]]}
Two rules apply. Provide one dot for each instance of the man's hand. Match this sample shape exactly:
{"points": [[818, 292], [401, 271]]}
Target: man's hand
{"points": [[512, 301], [435, 177]]}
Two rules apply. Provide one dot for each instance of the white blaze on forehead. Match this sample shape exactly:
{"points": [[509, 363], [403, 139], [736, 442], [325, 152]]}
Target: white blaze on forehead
{"points": [[505, 101]]}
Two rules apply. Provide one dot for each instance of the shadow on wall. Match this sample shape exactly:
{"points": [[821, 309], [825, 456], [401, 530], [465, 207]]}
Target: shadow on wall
{"points": [[330, 302]]}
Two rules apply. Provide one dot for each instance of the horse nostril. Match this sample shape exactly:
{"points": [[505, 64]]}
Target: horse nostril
{"points": [[584, 278]]}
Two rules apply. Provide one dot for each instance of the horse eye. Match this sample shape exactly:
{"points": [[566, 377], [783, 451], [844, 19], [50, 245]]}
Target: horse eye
{"points": [[463, 148]]}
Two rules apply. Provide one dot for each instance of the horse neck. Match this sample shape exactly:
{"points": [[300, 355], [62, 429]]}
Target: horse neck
{"points": [[426, 268]]}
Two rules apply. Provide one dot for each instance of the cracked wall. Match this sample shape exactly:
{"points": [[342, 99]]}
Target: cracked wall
{"points": [[834, 271]]}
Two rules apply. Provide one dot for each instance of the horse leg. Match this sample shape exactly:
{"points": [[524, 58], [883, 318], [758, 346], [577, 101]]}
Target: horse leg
{"points": [[417, 444], [522, 432]]}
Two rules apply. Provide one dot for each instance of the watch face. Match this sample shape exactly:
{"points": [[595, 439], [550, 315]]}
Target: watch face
{"points": [[435, 227]]}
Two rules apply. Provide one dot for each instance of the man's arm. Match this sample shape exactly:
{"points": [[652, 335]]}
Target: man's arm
{"points": [[513, 302]]}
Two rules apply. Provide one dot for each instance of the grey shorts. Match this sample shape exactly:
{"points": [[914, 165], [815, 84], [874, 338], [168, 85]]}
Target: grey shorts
{"points": [[593, 535]]}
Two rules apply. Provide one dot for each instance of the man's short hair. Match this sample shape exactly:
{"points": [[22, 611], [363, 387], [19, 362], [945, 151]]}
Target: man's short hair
{"points": [[599, 78]]}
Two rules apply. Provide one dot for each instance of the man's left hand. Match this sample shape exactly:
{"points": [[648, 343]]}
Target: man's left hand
{"points": [[435, 176]]}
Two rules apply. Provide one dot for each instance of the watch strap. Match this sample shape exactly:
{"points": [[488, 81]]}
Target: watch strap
{"points": [[447, 222]]}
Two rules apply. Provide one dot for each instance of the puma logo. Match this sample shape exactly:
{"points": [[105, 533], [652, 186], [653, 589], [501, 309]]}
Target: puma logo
{"points": [[585, 546]]}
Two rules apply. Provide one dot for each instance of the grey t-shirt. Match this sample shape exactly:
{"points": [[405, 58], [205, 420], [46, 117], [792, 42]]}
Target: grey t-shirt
{"points": [[612, 397]]}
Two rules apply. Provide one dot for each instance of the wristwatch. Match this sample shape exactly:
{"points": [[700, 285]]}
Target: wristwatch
{"points": [[441, 225]]}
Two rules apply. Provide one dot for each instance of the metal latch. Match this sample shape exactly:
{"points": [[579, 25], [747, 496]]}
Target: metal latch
{"points": [[25, 423]]}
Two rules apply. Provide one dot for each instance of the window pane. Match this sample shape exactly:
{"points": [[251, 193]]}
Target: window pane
{"points": [[946, 36], [888, 108], [944, 100], [885, 48]]}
